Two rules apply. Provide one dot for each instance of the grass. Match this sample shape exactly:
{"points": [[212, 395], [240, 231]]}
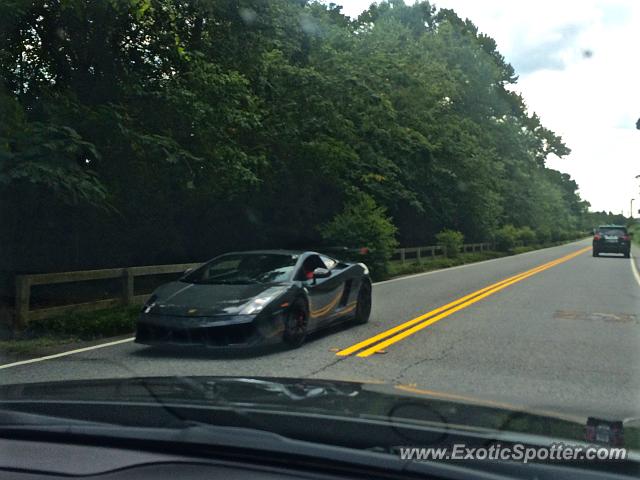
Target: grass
{"points": [[531, 248], [42, 336], [88, 325], [33, 346], [523, 249]]}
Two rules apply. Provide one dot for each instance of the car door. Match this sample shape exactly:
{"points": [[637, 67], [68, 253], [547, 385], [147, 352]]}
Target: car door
{"points": [[345, 279], [325, 294]]}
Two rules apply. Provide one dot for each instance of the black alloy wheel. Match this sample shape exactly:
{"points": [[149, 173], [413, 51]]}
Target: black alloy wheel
{"points": [[296, 322], [363, 307]]}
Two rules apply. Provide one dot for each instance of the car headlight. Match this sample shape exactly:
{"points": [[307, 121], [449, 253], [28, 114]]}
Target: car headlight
{"points": [[257, 304], [149, 304]]}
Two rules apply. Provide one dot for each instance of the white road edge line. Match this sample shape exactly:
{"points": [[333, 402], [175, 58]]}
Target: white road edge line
{"points": [[118, 342], [64, 354], [634, 269]]}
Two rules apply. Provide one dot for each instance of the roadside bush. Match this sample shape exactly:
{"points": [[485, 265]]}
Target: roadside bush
{"points": [[451, 241], [559, 235], [573, 235], [89, 325], [635, 233], [363, 223], [544, 235], [527, 236], [506, 238]]}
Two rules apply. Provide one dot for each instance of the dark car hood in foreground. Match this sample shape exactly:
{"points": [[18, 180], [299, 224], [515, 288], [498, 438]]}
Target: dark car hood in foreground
{"points": [[180, 298], [296, 396]]}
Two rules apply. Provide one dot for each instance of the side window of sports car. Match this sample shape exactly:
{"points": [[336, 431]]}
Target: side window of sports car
{"points": [[309, 265], [328, 261]]}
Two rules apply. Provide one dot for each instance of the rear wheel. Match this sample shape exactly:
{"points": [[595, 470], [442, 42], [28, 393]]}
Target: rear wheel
{"points": [[627, 254], [363, 307], [296, 322], [595, 253]]}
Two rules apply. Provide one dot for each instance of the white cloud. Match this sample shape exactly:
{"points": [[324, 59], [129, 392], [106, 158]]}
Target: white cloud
{"points": [[592, 101]]}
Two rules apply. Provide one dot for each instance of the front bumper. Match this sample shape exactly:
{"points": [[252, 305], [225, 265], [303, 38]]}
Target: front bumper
{"points": [[238, 331]]}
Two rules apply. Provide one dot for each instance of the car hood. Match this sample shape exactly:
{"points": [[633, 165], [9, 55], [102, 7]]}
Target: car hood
{"points": [[189, 299], [374, 401]]}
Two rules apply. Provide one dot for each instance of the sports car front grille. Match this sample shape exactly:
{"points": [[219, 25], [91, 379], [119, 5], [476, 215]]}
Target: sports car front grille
{"points": [[219, 336]]}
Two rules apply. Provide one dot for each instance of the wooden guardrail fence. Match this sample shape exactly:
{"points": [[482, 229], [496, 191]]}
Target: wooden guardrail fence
{"points": [[23, 312], [418, 253]]}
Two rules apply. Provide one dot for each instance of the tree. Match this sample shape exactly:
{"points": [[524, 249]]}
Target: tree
{"points": [[157, 131], [362, 223]]}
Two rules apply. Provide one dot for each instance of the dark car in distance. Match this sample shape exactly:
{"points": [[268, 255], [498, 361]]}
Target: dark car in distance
{"points": [[247, 299], [611, 239]]}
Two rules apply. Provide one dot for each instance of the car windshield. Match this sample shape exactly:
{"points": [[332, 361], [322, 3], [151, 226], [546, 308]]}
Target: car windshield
{"points": [[613, 231], [433, 199], [244, 268]]}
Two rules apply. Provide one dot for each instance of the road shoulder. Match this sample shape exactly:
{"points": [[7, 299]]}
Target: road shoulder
{"points": [[8, 357]]}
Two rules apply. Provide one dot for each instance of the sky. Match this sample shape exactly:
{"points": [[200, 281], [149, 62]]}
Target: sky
{"points": [[579, 70]]}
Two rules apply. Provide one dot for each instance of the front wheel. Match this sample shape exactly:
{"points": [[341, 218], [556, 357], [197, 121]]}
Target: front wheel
{"points": [[296, 322], [363, 307]]}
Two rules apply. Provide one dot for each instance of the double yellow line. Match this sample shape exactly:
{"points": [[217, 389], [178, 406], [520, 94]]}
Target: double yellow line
{"points": [[389, 337]]}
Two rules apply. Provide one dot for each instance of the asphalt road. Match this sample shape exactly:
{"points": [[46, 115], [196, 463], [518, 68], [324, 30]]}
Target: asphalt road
{"points": [[565, 338]]}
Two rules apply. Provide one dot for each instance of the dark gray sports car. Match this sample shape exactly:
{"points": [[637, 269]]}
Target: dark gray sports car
{"points": [[255, 298]]}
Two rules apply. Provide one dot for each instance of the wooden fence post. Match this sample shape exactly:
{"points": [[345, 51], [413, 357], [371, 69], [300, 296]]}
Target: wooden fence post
{"points": [[23, 293], [419, 255], [402, 255], [127, 287]]}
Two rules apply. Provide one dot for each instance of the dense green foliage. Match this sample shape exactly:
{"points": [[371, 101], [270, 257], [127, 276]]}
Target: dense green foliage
{"points": [[594, 219], [526, 236], [506, 238], [362, 222], [451, 241], [634, 230], [155, 131]]}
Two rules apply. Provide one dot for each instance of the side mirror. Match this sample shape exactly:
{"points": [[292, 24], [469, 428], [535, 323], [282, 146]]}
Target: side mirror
{"points": [[321, 273], [188, 271]]}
